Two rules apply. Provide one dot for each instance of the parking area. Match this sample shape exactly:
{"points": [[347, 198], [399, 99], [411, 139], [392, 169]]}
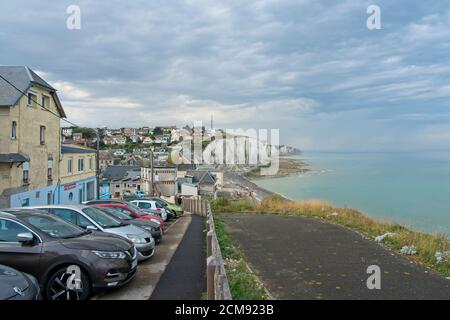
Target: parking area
{"points": [[151, 276]]}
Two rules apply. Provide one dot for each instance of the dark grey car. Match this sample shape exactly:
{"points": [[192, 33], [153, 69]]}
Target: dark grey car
{"points": [[16, 285]]}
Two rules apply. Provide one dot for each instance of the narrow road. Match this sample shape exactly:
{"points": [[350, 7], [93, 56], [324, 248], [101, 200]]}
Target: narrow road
{"points": [[150, 271], [237, 179], [184, 277], [303, 258]]}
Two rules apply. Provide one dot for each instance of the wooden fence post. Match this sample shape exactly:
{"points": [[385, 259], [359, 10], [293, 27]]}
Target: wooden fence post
{"points": [[209, 242], [211, 265]]}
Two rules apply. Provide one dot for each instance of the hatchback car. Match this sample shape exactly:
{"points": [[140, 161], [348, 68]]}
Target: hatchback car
{"points": [[155, 206], [16, 285], [176, 209], [151, 226], [68, 261], [90, 218]]}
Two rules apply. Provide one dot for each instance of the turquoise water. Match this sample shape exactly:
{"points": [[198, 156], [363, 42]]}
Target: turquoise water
{"points": [[409, 188]]}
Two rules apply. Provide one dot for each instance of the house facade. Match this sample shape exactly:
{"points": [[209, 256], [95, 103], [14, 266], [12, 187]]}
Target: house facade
{"points": [[78, 175], [29, 138]]}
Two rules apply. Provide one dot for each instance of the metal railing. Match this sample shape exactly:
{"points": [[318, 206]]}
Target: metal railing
{"points": [[218, 287]]}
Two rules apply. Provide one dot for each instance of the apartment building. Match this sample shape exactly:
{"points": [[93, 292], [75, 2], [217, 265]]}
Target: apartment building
{"points": [[30, 141]]}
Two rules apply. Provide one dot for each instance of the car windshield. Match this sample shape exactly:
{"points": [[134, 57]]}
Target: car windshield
{"points": [[116, 213], [137, 209], [103, 219], [161, 202], [54, 226]]}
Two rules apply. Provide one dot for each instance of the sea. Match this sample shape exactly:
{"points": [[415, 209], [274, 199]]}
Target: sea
{"points": [[410, 188]]}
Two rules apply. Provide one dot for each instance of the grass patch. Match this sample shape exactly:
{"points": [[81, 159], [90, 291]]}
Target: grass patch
{"points": [[226, 205], [426, 244], [243, 283]]}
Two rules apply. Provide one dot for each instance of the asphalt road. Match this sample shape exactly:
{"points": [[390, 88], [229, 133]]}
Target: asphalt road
{"points": [[184, 278], [303, 258]]}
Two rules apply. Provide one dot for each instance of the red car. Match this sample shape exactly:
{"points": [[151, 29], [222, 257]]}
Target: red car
{"points": [[131, 210]]}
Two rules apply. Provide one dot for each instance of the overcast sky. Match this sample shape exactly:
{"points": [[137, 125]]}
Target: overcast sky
{"points": [[308, 67]]}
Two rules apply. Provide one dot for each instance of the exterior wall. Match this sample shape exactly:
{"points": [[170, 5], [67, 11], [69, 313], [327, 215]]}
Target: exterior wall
{"points": [[189, 190], [119, 188], [75, 175], [29, 119], [78, 191], [78, 186], [35, 197], [207, 189]]}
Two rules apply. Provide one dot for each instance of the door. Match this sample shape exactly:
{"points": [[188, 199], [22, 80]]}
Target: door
{"points": [[23, 257], [80, 196]]}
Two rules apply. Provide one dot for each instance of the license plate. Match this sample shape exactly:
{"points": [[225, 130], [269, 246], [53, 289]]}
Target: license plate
{"points": [[134, 264]]}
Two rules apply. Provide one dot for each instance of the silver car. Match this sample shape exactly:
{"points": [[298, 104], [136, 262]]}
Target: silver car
{"points": [[93, 219]]}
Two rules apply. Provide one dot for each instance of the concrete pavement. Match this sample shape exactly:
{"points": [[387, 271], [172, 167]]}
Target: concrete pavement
{"points": [[304, 258], [150, 271]]}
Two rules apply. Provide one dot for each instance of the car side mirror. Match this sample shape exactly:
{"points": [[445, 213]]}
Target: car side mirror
{"points": [[92, 228], [25, 237]]}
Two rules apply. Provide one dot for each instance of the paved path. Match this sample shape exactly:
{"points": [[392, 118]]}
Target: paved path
{"points": [[302, 258], [184, 277], [150, 271]]}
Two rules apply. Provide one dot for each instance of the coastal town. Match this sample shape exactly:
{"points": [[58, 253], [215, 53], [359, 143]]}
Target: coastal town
{"points": [[173, 177], [43, 162]]}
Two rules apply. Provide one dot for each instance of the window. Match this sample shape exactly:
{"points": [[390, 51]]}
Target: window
{"points": [[25, 202], [49, 169], [45, 102], [83, 222], [25, 172], [72, 217], [145, 205], [49, 197], [69, 166], [32, 99], [66, 214], [90, 163], [42, 135], [81, 164], [9, 230], [14, 130]]}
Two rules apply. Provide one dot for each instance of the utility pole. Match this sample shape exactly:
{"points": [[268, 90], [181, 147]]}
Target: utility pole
{"points": [[98, 163], [152, 189]]}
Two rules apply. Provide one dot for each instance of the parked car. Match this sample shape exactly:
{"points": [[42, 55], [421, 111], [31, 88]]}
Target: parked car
{"points": [[153, 205], [177, 210], [16, 285], [151, 226], [90, 218], [154, 211], [128, 208], [52, 250]]}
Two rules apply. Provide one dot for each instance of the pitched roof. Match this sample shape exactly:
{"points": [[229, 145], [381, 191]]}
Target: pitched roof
{"points": [[119, 172], [22, 77], [203, 177], [73, 149]]}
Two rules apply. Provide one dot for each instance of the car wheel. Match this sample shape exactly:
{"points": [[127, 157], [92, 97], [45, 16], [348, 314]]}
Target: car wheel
{"points": [[58, 286]]}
